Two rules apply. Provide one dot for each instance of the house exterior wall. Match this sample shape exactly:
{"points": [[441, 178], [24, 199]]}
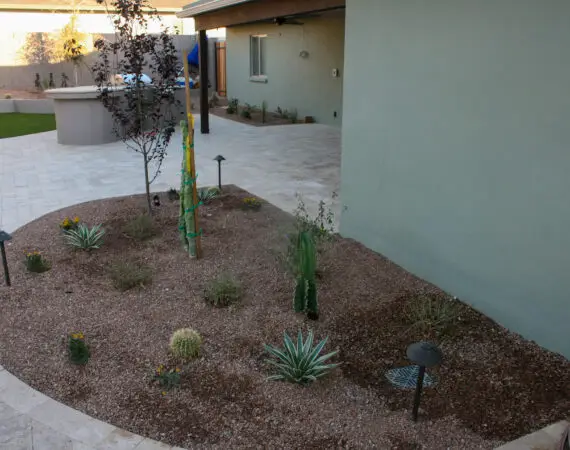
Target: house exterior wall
{"points": [[456, 151], [293, 82]]}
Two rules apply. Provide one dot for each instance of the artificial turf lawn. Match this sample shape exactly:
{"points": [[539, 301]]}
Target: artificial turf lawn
{"points": [[17, 124]]}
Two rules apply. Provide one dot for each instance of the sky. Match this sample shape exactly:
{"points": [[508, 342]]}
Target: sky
{"points": [[15, 25]]}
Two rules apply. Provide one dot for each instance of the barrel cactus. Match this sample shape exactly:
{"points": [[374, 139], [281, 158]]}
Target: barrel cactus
{"points": [[185, 343]]}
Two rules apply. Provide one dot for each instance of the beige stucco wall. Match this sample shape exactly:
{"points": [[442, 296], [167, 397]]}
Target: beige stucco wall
{"points": [[306, 84], [456, 151]]}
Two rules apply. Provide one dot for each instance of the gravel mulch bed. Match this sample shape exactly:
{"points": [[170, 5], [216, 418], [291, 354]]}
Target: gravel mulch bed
{"points": [[493, 385]]}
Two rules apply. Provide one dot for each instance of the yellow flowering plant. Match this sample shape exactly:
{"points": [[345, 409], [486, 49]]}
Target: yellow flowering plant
{"points": [[35, 262], [166, 377], [78, 351], [251, 203], [69, 223]]}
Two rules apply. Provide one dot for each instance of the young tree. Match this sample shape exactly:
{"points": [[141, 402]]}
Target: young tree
{"points": [[142, 113], [39, 48], [71, 45]]}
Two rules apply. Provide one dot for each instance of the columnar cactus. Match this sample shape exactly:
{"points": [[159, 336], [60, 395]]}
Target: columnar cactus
{"points": [[306, 288], [185, 343]]}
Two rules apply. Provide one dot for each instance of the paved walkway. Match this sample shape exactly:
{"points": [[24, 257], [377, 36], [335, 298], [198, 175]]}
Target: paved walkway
{"points": [[38, 176]]}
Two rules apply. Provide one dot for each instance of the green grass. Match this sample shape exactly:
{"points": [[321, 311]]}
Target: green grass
{"points": [[17, 124]]}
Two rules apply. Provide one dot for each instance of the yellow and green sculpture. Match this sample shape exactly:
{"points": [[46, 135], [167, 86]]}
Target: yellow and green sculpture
{"points": [[188, 223]]}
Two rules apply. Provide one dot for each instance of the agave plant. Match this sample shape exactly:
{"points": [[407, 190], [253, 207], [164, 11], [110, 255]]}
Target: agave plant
{"points": [[206, 195], [300, 362], [85, 238]]}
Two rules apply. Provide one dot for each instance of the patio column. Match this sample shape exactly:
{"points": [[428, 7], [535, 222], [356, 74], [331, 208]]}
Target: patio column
{"points": [[204, 106]]}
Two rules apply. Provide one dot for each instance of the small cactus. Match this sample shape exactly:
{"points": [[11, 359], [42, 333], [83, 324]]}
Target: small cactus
{"points": [[185, 343]]}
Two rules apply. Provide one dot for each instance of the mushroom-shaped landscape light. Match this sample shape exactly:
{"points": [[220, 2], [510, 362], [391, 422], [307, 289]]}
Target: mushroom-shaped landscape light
{"points": [[424, 354]]}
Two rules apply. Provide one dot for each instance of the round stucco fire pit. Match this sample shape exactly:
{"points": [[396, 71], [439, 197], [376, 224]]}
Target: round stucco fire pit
{"points": [[80, 117]]}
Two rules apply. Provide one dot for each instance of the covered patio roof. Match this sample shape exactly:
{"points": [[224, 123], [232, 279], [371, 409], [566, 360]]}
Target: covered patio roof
{"points": [[210, 14]]}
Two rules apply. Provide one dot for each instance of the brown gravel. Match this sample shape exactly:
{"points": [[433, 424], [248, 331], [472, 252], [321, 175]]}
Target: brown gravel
{"points": [[494, 386], [271, 118]]}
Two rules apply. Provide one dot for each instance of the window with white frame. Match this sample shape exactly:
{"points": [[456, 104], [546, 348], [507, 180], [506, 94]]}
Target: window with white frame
{"points": [[258, 55]]}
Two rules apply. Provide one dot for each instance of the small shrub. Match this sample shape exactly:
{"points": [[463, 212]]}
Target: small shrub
{"points": [[246, 111], [432, 313], [173, 195], [321, 226], [223, 291], [69, 224], [293, 115], [127, 275], [185, 343], [36, 263], [140, 228], [232, 106], [282, 113], [167, 378], [299, 362], [84, 238], [263, 111], [207, 194], [8, 96], [78, 351], [251, 203]]}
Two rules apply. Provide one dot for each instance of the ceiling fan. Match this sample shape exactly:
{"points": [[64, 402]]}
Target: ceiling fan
{"points": [[290, 20]]}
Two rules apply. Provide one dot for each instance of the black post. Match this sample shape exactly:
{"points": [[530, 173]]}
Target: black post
{"points": [[418, 393], [220, 175], [204, 106], [5, 264]]}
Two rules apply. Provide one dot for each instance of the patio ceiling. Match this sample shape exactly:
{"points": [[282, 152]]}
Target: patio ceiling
{"points": [[210, 14]]}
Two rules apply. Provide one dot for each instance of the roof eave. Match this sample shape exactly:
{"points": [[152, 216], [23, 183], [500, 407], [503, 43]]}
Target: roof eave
{"points": [[191, 11]]}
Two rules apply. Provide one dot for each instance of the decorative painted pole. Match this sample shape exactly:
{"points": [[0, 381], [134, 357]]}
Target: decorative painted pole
{"points": [[188, 223]]}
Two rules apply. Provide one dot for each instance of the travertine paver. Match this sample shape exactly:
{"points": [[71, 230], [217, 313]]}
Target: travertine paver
{"points": [[38, 176]]}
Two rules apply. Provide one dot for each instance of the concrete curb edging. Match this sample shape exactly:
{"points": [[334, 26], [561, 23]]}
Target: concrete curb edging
{"points": [[546, 439]]}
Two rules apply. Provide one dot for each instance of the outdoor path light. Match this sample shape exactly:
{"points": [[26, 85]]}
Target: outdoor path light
{"points": [[5, 237], [424, 354], [219, 158]]}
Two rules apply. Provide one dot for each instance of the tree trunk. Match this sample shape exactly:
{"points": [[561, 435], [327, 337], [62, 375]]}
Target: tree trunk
{"points": [[147, 186]]}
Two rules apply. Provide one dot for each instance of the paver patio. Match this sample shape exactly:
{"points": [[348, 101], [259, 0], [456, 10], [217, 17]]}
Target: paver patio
{"points": [[38, 176]]}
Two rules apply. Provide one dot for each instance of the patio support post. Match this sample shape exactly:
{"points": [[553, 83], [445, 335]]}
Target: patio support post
{"points": [[204, 105]]}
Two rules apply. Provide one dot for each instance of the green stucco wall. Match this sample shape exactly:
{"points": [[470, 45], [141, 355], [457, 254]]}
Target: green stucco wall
{"points": [[306, 84], [456, 151]]}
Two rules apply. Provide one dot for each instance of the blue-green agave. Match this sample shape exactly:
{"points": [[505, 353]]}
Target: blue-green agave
{"points": [[299, 362], [85, 238]]}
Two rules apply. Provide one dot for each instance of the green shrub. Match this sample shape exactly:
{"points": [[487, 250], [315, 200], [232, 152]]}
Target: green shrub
{"points": [[322, 226], [223, 291], [185, 343], [173, 195], [233, 106], [36, 263], [78, 351], [140, 228], [305, 299], [432, 313], [293, 116], [246, 111], [299, 362], [84, 238], [207, 194], [127, 275], [8, 96], [167, 378]]}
